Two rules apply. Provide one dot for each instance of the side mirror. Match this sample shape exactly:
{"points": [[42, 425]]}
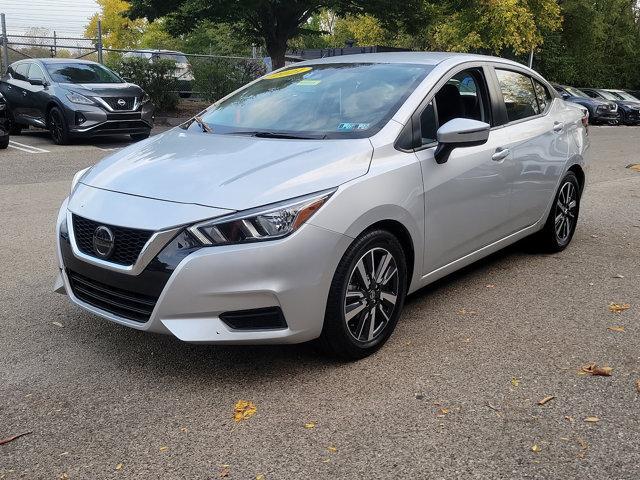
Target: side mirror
{"points": [[458, 133], [37, 81]]}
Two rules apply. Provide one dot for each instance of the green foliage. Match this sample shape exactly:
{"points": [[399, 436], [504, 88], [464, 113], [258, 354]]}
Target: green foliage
{"points": [[157, 79], [118, 31], [215, 78]]}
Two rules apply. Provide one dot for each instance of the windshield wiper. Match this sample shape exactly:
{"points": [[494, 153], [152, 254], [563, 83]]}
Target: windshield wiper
{"points": [[265, 134], [205, 128]]}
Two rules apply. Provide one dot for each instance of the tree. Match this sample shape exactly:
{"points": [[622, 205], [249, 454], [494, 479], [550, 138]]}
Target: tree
{"points": [[118, 31], [272, 22]]}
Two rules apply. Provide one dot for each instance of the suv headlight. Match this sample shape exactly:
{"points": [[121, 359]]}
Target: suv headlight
{"points": [[78, 176], [81, 99], [265, 223], [144, 99]]}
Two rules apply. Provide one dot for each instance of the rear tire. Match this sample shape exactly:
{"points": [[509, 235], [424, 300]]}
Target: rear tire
{"points": [[140, 136], [563, 217], [366, 297], [58, 127], [14, 128], [4, 142]]}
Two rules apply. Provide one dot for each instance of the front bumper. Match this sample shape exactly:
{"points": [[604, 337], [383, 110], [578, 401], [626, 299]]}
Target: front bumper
{"points": [[293, 274], [605, 116], [92, 120]]}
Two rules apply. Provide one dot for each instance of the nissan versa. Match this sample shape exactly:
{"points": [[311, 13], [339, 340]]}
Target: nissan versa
{"points": [[74, 98], [309, 203]]}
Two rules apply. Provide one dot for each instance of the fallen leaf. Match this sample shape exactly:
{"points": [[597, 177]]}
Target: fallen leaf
{"points": [[546, 399], [163, 449], [15, 437], [64, 476], [224, 472], [310, 425], [491, 285], [419, 396], [592, 419], [119, 466], [57, 324], [618, 307], [332, 449], [568, 418], [634, 166], [638, 386], [515, 382], [260, 476], [444, 411], [594, 236], [616, 329], [243, 410], [595, 370], [184, 429], [617, 276], [536, 448]]}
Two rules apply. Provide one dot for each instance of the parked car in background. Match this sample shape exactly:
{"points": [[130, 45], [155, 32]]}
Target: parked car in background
{"points": [[183, 73], [4, 123], [376, 175], [634, 93], [623, 95], [74, 98], [600, 111], [629, 109]]}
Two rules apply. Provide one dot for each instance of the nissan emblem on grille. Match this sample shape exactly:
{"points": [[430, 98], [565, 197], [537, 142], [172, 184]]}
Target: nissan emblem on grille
{"points": [[121, 102], [103, 241]]}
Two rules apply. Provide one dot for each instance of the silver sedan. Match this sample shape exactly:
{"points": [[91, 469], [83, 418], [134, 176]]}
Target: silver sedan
{"points": [[308, 204]]}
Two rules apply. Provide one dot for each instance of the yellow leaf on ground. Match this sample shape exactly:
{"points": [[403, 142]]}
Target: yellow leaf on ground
{"points": [[634, 166], [163, 448], [444, 411], [332, 449], [310, 425], [260, 476], [515, 382], [243, 410], [615, 329], [546, 399], [592, 419], [536, 448], [595, 370], [119, 466], [619, 307], [224, 472]]}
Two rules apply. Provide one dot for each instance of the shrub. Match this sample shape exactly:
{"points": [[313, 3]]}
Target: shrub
{"points": [[157, 79], [215, 78]]}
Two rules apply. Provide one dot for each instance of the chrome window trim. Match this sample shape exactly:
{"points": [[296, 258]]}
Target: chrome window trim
{"points": [[153, 246]]}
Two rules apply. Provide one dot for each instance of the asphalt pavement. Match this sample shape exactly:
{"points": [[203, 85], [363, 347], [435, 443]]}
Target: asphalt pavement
{"points": [[453, 395]]}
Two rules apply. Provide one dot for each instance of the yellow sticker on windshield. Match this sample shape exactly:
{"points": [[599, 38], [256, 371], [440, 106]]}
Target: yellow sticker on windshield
{"points": [[288, 73]]}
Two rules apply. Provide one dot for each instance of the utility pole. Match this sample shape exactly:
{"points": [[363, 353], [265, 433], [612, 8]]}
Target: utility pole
{"points": [[99, 41], [55, 45], [4, 41]]}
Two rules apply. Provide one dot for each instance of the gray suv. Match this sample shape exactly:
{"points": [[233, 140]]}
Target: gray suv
{"points": [[74, 98]]}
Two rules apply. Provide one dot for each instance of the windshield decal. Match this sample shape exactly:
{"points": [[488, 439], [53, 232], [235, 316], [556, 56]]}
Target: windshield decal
{"points": [[354, 126], [308, 82]]}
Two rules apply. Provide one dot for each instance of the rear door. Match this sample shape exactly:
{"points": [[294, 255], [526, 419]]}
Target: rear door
{"points": [[535, 123], [37, 95], [15, 90]]}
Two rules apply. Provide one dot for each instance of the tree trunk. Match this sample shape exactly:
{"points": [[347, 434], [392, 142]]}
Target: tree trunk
{"points": [[277, 50]]}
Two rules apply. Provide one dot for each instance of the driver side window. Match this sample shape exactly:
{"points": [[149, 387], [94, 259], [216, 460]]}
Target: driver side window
{"points": [[463, 96]]}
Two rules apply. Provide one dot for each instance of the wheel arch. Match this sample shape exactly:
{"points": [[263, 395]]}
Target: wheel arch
{"points": [[576, 168]]}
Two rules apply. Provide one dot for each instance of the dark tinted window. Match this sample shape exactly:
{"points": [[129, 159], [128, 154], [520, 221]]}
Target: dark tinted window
{"points": [[81, 73], [519, 95], [21, 71], [543, 96]]}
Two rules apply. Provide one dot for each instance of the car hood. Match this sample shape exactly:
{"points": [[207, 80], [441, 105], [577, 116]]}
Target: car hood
{"points": [[628, 103], [104, 89], [229, 171]]}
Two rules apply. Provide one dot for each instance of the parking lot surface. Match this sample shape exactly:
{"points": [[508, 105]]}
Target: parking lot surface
{"points": [[454, 394]]}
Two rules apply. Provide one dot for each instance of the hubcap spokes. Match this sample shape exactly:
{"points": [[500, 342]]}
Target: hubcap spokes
{"points": [[565, 213], [371, 295]]}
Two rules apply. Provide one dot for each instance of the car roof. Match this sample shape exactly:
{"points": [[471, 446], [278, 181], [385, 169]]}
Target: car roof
{"points": [[422, 58]]}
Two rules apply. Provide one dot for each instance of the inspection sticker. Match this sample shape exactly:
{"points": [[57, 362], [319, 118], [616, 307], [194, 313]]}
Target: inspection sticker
{"points": [[354, 126], [308, 82], [288, 73]]}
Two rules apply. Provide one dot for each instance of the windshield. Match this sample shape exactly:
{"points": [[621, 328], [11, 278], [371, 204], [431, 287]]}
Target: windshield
{"points": [[332, 100], [608, 95], [575, 92], [81, 73], [625, 96]]}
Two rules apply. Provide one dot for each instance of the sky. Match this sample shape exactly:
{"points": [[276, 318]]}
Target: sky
{"points": [[66, 17]]}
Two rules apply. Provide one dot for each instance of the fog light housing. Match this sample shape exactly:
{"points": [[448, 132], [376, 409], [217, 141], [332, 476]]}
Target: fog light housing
{"points": [[80, 118]]}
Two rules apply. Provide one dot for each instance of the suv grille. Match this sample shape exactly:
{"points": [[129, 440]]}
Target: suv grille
{"points": [[130, 305], [128, 242], [115, 104]]}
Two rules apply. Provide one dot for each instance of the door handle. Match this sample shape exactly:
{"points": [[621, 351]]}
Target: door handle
{"points": [[501, 154], [558, 127]]}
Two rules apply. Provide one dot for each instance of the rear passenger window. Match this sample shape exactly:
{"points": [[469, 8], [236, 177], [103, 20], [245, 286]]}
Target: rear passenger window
{"points": [[519, 95], [543, 96]]}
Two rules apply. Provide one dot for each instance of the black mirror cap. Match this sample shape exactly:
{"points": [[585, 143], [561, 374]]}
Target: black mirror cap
{"points": [[443, 150], [38, 81]]}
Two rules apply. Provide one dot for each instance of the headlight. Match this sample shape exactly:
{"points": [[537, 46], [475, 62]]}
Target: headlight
{"points": [[77, 98], [77, 177], [264, 223]]}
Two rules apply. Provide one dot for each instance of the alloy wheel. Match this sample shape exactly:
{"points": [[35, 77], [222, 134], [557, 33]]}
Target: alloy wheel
{"points": [[566, 212], [372, 294], [55, 127]]}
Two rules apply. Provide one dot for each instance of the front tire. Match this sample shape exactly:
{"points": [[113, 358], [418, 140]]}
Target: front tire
{"points": [[563, 217], [58, 127], [366, 296], [14, 127]]}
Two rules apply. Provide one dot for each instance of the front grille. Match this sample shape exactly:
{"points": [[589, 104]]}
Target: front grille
{"points": [[128, 242], [115, 104], [123, 303]]}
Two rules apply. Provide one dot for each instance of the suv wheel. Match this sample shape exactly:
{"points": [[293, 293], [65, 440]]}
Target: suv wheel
{"points": [[366, 296], [14, 128], [58, 127]]}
